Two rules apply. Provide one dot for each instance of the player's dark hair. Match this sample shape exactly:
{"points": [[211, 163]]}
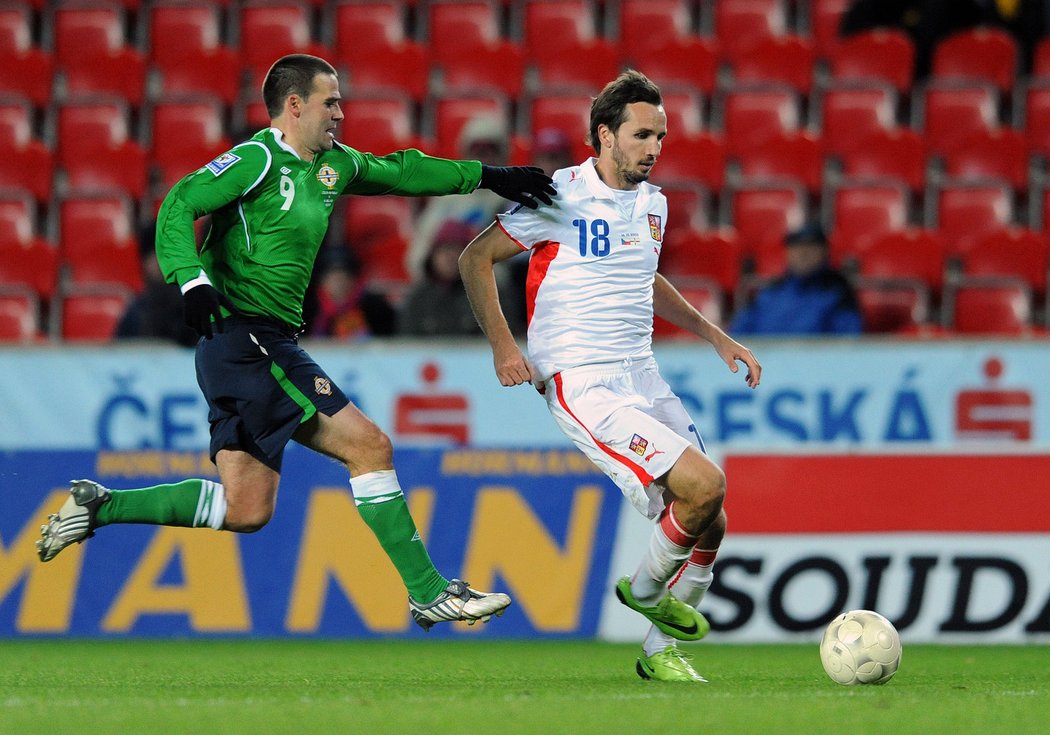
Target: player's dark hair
{"points": [[292, 74], [610, 106]]}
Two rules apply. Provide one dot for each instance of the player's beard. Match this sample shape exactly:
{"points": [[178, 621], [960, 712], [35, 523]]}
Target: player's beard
{"points": [[627, 171]]}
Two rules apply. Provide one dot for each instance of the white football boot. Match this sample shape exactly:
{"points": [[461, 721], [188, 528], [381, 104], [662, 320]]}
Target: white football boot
{"points": [[459, 602], [74, 521]]}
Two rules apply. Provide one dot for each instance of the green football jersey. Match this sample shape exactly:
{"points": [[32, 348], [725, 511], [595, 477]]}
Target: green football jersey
{"points": [[270, 212]]}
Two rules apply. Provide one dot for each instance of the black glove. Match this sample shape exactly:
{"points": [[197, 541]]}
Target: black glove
{"points": [[200, 304], [526, 185]]}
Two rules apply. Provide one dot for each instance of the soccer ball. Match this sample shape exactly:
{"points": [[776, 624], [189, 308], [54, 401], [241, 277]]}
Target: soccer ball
{"points": [[860, 647]]}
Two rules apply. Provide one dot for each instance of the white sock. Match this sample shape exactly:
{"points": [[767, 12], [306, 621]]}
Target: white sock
{"points": [[669, 546], [689, 586], [211, 506]]}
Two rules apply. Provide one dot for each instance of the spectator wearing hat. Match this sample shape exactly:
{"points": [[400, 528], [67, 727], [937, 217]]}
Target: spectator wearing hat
{"points": [[810, 298], [437, 303], [552, 150], [346, 308]]}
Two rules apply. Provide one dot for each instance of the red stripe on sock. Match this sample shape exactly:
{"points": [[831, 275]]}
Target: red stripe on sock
{"points": [[703, 557], [673, 529]]}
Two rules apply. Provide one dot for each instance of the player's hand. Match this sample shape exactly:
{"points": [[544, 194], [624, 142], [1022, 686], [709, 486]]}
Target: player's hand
{"points": [[511, 366], [200, 304], [731, 351], [526, 185]]}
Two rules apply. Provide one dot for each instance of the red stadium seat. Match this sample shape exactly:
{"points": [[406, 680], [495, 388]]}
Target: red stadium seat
{"points": [[371, 40], [782, 59], [1041, 59], [181, 29], [446, 116], [16, 30], [217, 74], [500, 67], [575, 21], [716, 255], [796, 156], [1002, 308], [186, 134], [893, 307], [97, 240], [373, 219], [26, 260], [26, 163], [887, 154], [882, 55], [568, 112], [950, 112], [825, 16], [691, 62], [740, 24], [647, 25], [862, 211], [1011, 252], [587, 67], [93, 52], [751, 116], [19, 315], [911, 254], [762, 216], [981, 54], [700, 158], [1037, 117], [380, 124], [270, 29], [94, 134], [91, 314], [28, 74], [704, 295], [1000, 154], [456, 27], [685, 111], [967, 210], [853, 111], [687, 205]]}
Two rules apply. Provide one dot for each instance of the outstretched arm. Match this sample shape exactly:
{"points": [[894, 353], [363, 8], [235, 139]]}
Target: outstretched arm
{"points": [[476, 268], [669, 304]]}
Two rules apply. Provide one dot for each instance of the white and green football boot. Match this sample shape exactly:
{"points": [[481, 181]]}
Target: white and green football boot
{"points": [[74, 521], [458, 602], [669, 664]]}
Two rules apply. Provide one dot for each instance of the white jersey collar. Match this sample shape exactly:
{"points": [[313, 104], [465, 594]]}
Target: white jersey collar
{"points": [[600, 190], [278, 137]]}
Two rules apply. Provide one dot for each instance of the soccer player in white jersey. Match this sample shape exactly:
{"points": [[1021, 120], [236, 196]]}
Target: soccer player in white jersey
{"points": [[592, 290]]}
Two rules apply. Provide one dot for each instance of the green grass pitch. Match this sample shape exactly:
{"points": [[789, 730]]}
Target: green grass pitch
{"points": [[265, 687]]}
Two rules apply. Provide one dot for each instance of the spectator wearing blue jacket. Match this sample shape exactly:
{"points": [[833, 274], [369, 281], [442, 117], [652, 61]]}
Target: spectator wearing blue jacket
{"points": [[811, 298]]}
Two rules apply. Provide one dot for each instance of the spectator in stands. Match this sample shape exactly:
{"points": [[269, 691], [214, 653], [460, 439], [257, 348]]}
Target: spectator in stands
{"points": [[156, 312], [484, 138], [810, 298], [346, 307], [552, 150], [437, 304]]}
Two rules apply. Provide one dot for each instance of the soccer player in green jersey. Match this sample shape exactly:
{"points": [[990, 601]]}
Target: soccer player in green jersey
{"points": [[270, 198]]}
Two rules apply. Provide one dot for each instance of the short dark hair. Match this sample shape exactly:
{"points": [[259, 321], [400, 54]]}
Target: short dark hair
{"points": [[292, 74], [610, 106]]}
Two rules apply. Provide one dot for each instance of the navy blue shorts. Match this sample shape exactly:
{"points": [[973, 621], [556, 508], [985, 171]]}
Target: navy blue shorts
{"points": [[261, 386]]}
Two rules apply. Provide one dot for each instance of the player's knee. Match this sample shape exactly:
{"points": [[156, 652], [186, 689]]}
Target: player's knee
{"points": [[373, 449], [247, 519]]}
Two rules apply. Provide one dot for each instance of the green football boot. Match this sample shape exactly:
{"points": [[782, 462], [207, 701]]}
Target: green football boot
{"points": [[670, 615], [669, 664]]}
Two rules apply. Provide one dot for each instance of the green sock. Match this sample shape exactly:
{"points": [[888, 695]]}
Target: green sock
{"points": [[191, 503], [382, 506]]}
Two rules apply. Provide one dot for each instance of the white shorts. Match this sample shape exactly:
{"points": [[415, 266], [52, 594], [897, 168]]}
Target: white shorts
{"points": [[627, 421]]}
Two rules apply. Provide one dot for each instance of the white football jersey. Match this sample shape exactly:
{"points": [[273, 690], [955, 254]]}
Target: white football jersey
{"points": [[590, 280]]}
